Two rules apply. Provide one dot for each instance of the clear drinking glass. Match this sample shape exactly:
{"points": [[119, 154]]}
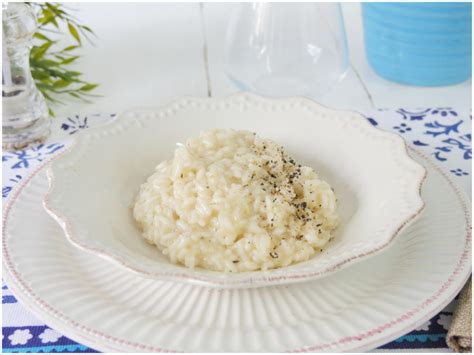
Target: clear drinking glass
{"points": [[287, 49], [24, 111]]}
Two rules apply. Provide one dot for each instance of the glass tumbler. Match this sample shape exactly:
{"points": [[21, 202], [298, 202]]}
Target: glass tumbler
{"points": [[286, 49]]}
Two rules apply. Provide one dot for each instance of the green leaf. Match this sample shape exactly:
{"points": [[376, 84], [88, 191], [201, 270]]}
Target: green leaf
{"points": [[48, 17], [45, 63], [41, 20], [74, 32], [87, 28], [42, 37], [55, 9], [91, 95], [69, 60], [70, 48], [61, 83], [44, 86], [41, 50], [34, 50], [73, 94], [67, 76], [57, 73], [74, 73], [51, 112], [88, 87], [39, 75], [47, 81]]}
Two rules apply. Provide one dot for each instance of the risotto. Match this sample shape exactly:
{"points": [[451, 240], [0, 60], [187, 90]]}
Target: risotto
{"points": [[232, 201]]}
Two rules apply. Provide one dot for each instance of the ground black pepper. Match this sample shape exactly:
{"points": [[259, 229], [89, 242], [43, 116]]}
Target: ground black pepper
{"points": [[274, 254]]}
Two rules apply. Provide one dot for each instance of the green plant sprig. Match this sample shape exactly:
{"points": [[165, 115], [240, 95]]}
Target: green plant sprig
{"points": [[49, 65]]}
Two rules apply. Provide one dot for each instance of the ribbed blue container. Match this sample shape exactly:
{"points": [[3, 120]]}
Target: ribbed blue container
{"points": [[425, 44]]}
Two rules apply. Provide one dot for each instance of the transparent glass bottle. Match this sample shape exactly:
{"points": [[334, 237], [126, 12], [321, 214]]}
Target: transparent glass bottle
{"points": [[287, 49], [24, 111]]}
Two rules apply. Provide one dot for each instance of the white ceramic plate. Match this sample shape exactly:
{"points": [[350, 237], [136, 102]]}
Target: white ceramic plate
{"points": [[377, 183], [371, 303]]}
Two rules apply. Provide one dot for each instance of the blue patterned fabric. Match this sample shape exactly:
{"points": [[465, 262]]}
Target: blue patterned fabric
{"points": [[442, 132]]}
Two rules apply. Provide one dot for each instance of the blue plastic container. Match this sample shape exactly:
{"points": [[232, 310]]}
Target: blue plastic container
{"points": [[425, 44]]}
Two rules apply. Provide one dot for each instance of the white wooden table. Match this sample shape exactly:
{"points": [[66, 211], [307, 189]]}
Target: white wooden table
{"points": [[147, 54]]}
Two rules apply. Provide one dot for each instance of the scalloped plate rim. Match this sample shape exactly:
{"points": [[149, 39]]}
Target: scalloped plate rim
{"points": [[239, 280]]}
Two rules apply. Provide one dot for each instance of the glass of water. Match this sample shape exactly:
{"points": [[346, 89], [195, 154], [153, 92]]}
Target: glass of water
{"points": [[287, 49]]}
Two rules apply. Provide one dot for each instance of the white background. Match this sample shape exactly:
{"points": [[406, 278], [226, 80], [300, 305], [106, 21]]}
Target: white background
{"points": [[146, 54]]}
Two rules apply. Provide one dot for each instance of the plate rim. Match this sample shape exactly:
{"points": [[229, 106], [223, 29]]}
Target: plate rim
{"points": [[191, 276], [78, 330]]}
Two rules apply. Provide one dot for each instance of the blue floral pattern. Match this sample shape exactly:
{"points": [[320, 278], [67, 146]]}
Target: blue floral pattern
{"points": [[372, 121], [438, 153], [439, 128], [23, 158], [420, 143], [413, 115], [420, 114], [459, 172], [75, 124], [465, 146], [8, 188], [444, 133], [444, 111], [402, 128]]}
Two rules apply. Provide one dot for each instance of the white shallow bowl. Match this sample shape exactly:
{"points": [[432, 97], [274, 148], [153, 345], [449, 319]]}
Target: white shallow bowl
{"points": [[93, 184]]}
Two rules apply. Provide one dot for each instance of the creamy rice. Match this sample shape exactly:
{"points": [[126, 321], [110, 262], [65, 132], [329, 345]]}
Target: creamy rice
{"points": [[232, 201]]}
